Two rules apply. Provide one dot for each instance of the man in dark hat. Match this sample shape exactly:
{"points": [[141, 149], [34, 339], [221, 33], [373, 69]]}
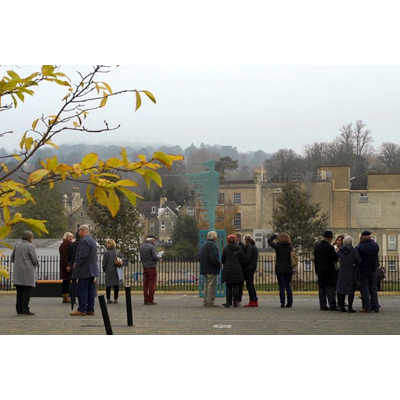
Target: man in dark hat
{"points": [[368, 250], [325, 257], [149, 258]]}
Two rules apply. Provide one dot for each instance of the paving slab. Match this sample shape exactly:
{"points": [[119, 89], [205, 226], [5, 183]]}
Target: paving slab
{"points": [[183, 314]]}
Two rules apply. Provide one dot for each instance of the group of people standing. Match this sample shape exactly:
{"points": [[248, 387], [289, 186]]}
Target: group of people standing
{"points": [[239, 262], [341, 266], [79, 266]]}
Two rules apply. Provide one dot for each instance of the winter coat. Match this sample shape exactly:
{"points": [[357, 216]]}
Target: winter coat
{"points": [[86, 259], [349, 261], [25, 260], [325, 257], [368, 251], [109, 267], [71, 255], [148, 255], [64, 263], [250, 259], [232, 256], [282, 264], [209, 258]]}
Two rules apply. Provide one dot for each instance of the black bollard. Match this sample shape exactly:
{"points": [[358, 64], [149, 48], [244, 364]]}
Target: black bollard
{"points": [[128, 305], [104, 312]]}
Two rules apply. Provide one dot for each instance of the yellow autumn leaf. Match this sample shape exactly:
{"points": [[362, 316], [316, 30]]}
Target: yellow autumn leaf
{"points": [[6, 214], [37, 176], [4, 231], [89, 194], [131, 196], [150, 175], [101, 196], [34, 123], [4, 272], [107, 86], [114, 162], [150, 96], [113, 203], [47, 70], [104, 101], [126, 182], [37, 226], [138, 101], [89, 160]]}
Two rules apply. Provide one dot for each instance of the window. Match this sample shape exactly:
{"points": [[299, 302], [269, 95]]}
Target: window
{"points": [[237, 222], [392, 243], [152, 225], [363, 198], [169, 240], [190, 211], [153, 210], [221, 199], [167, 213], [163, 225], [237, 198]]}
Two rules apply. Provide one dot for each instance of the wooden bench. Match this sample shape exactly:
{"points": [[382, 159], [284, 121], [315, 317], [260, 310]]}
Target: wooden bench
{"points": [[47, 288]]}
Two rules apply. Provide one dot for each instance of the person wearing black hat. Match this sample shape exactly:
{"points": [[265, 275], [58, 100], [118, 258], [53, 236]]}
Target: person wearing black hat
{"points": [[368, 250], [149, 258], [325, 258]]}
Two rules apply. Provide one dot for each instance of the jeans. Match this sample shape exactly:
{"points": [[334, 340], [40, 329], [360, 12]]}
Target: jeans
{"points": [[86, 294], [369, 290], [23, 298], [284, 283], [210, 287], [149, 284], [249, 278]]}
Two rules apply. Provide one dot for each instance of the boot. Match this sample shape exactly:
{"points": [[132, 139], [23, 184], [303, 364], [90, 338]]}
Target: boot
{"points": [[66, 298], [252, 303]]}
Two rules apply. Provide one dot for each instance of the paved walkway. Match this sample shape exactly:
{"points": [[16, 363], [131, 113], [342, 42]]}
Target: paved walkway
{"points": [[179, 314]]}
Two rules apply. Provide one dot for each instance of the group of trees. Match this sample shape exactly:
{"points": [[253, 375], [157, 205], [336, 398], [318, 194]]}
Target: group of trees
{"points": [[352, 147]]}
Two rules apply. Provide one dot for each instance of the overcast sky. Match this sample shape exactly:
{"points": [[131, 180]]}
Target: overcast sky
{"points": [[258, 76], [250, 107]]}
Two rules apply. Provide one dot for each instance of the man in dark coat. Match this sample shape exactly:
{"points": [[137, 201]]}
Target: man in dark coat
{"points": [[210, 266], [87, 269], [325, 257], [368, 250]]}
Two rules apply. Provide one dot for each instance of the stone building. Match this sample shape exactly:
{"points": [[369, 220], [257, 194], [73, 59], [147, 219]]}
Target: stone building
{"points": [[158, 219], [75, 209], [370, 201]]}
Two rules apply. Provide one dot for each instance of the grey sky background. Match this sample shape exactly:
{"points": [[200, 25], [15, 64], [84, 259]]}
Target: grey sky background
{"points": [[250, 107]]}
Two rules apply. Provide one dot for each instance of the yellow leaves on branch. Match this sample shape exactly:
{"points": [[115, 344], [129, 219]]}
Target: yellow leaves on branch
{"points": [[104, 176]]}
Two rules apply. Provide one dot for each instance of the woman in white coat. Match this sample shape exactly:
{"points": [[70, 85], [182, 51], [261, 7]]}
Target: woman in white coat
{"points": [[25, 262]]}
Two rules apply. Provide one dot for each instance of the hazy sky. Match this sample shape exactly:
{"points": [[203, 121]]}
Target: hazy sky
{"points": [[250, 107]]}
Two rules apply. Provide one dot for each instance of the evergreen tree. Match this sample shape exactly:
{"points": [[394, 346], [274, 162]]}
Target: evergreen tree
{"points": [[186, 230], [299, 217], [48, 207], [125, 228]]}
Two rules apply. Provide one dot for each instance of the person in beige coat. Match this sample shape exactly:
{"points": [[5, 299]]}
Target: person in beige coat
{"points": [[25, 262]]}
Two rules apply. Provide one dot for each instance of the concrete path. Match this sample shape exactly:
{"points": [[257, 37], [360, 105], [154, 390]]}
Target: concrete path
{"points": [[180, 314]]}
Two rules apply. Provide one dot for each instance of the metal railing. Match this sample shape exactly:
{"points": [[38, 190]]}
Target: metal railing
{"points": [[182, 274]]}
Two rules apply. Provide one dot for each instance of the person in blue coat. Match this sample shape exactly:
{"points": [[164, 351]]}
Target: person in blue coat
{"points": [[87, 269]]}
